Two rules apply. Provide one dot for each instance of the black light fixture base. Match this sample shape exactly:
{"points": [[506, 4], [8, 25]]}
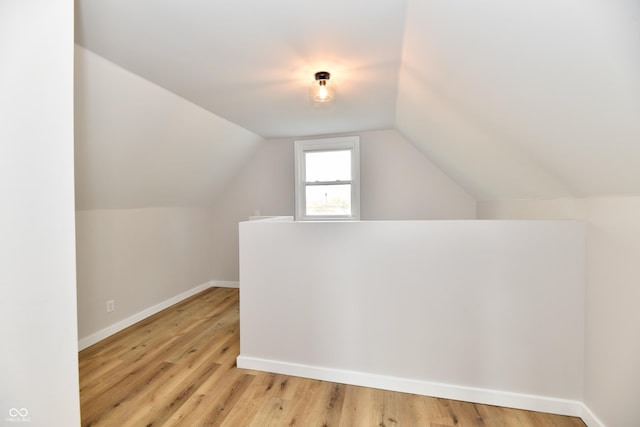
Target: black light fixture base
{"points": [[323, 75]]}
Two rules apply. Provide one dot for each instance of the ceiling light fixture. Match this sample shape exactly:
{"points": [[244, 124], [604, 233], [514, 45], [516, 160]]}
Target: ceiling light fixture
{"points": [[322, 90]]}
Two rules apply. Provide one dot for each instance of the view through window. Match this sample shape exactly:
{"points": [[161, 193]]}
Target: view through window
{"points": [[327, 178], [328, 182]]}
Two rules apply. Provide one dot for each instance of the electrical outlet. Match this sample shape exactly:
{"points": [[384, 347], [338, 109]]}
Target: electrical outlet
{"points": [[110, 306]]}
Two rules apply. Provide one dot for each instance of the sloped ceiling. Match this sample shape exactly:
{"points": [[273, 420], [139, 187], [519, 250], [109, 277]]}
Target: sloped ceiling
{"points": [[138, 145], [526, 99]]}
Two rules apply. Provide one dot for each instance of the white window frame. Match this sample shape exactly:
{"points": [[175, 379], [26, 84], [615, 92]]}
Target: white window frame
{"points": [[327, 144]]}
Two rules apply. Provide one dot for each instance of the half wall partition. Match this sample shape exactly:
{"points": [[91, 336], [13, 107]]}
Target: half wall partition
{"points": [[483, 311]]}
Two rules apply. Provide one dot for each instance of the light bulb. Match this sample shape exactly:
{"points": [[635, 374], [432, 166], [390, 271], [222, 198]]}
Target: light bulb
{"points": [[322, 90]]}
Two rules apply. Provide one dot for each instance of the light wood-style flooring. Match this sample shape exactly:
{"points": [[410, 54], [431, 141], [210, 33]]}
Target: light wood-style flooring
{"points": [[177, 368]]}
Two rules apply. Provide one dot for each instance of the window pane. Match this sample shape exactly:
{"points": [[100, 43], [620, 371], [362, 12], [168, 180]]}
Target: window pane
{"points": [[328, 166], [328, 199]]}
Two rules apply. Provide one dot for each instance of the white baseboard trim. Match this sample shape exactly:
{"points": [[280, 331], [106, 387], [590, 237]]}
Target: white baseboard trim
{"points": [[125, 323], [225, 284], [589, 417], [426, 388]]}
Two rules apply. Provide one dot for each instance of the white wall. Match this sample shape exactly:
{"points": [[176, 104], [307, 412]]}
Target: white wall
{"points": [[613, 318], [38, 360], [490, 311], [562, 208], [149, 165], [397, 182], [612, 375], [265, 186], [138, 258]]}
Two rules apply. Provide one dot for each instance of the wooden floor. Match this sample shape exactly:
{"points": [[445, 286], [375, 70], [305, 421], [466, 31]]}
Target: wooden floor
{"points": [[177, 368]]}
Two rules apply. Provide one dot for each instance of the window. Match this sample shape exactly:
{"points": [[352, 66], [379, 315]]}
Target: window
{"points": [[328, 179]]}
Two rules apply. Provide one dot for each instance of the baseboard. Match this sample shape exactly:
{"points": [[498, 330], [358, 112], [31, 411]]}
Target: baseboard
{"points": [[225, 284], [589, 417], [125, 323], [447, 391]]}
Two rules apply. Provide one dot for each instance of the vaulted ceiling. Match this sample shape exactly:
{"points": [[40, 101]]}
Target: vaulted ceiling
{"points": [[526, 99]]}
